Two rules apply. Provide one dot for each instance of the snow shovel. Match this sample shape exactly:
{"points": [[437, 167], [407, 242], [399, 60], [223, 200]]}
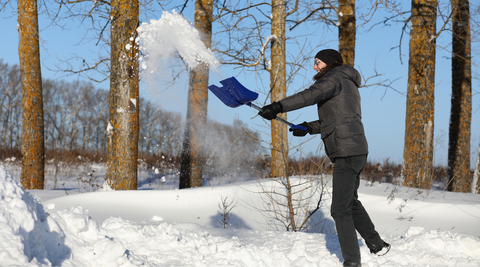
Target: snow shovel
{"points": [[234, 94]]}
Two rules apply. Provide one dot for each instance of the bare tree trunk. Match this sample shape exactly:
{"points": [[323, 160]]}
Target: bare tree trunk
{"points": [[417, 169], [459, 175], [278, 88], [476, 181], [192, 160], [33, 150], [347, 30], [124, 100]]}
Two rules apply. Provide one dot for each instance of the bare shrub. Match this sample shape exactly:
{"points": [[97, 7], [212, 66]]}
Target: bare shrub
{"points": [[291, 202], [225, 210], [387, 172]]}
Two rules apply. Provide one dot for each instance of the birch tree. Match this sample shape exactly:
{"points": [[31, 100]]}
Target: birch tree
{"points": [[417, 169], [33, 151], [461, 110], [476, 181], [123, 125], [192, 159]]}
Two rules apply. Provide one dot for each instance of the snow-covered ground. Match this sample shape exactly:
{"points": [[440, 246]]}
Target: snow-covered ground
{"points": [[182, 227]]}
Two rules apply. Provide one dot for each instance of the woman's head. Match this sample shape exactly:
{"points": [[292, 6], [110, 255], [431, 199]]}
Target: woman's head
{"points": [[328, 56], [325, 60]]}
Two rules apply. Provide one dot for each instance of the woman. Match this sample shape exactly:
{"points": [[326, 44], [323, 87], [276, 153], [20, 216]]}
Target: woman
{"points": [[335, 92]]}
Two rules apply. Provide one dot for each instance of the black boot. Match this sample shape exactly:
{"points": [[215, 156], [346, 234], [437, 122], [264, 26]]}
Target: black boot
{"points": [[379, 250], [351, 264]]}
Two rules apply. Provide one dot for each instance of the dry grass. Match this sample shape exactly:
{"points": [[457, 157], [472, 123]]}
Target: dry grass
{"points": [[88, 169]]}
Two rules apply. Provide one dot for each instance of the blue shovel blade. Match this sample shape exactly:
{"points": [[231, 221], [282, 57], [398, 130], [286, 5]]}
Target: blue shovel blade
{"points": [[224, 96], [232, 93], [238, 91]]}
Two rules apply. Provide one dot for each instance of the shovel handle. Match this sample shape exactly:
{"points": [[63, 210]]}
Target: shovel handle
{"points": [[294, 126]]}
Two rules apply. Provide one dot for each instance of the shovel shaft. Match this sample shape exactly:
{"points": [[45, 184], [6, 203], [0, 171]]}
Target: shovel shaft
{"points": [[294, 126], [234, 94]]}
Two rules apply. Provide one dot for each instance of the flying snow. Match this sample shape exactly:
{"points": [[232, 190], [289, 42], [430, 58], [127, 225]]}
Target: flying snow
{"points": [[161, 39]]}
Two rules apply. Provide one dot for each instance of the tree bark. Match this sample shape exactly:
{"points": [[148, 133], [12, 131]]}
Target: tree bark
{"points": [[278, 88], [192, 159], [124, 100], [347, 31], [33, 151], [460, 178], [417, 169]]}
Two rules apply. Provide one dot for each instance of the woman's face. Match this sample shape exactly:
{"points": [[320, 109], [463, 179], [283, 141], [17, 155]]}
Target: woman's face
{"points": [[319, 65]]}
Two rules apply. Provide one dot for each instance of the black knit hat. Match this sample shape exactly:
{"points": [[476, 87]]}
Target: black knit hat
{"points": [[329, 56]]}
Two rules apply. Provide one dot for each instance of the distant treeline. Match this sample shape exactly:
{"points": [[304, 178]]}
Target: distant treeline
{"points": [[76, 119]]}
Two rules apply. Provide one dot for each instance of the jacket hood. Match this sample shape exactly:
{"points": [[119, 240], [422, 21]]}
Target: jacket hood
{"points": [[350, 73]]}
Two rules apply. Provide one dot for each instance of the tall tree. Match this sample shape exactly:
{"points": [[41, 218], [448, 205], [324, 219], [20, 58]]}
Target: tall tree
{"points": [[124, 100], [347, 30], [192, 159], [33, 151], [278, 87], [461, 110], [417, 169]]}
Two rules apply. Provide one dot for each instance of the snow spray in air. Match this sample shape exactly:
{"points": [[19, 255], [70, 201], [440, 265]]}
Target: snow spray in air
{"points": [[160, 42], [161, 39]]}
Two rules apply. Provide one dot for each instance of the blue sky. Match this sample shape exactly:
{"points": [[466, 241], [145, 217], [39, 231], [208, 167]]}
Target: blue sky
{"points": [[383, 110]]}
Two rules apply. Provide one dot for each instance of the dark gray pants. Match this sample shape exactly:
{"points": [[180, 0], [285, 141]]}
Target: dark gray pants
{"points": [[347, 211]]}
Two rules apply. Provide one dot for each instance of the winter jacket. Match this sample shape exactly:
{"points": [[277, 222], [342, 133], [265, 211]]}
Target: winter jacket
{"points": [[339, 111]]}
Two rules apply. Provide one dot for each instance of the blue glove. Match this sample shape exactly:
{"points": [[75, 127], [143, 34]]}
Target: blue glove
{"points": [[299, 133]]}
